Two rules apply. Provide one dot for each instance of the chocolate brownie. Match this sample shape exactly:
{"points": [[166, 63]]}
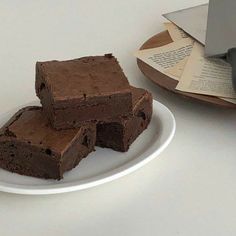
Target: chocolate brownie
{"points": [[29, 146], [80, 90], [120, 133]]}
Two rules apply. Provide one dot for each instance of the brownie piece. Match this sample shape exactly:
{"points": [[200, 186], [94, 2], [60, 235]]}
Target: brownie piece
{"points": [[29, 146], [77, 91], [120, 133]]}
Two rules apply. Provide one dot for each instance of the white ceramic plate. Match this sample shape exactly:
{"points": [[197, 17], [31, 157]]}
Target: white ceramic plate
{"points": [[101, 166]]}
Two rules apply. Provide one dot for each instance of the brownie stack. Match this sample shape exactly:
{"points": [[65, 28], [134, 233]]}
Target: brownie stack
{"points": [[85, 102]]}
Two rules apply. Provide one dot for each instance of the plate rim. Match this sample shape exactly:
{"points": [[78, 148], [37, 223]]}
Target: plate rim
{"points": [[106, 177]]}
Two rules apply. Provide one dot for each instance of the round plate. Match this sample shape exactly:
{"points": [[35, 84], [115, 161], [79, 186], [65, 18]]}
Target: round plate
{"points": [[168, 83], [101, 166]]}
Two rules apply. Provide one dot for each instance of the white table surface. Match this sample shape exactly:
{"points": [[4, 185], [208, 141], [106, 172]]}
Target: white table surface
{"points": [[190, 189]]}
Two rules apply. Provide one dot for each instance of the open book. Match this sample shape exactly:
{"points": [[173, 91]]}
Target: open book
{"points": [[184, 60]]}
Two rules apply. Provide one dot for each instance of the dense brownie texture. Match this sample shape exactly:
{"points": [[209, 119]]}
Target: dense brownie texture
{"points": [[76, 91], [121, 132], [29, 146]]}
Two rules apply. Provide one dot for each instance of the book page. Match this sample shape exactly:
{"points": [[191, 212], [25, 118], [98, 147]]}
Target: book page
{"points": [[231, 100], [206, 76], [169, 59], [175, 32]]}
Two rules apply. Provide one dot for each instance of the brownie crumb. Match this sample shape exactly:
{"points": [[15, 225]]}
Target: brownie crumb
{"points": [[85, 141], [48, 151], [9, 133], [142, 115], [42, 86]]}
